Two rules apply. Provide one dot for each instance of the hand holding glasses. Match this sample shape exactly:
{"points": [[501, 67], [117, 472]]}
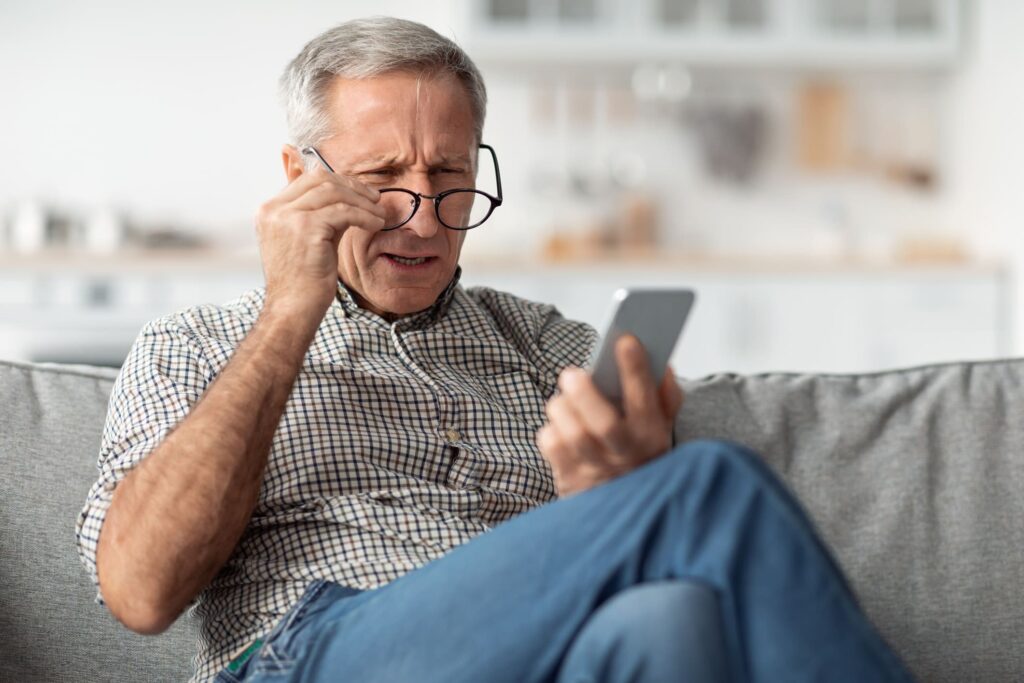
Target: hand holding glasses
{"points": [[456, 209]]}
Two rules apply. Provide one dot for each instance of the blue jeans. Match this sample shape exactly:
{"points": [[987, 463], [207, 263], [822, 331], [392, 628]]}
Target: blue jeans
{"points": [[553, 595]]}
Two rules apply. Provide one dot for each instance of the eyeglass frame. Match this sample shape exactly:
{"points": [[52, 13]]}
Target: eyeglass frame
{"points": [[418, 197]]}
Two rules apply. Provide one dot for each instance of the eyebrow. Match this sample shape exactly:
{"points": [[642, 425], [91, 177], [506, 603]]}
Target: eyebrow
{"points": [[391, 160]]}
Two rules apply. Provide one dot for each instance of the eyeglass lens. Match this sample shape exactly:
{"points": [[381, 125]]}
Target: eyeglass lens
{"points": [[461, 210]]}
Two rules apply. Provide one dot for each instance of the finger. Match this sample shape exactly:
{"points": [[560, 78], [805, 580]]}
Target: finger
{"points": [[554, 451], [600, 418], [330, 192], [570, 475], [301, 184], [357, 186], [343, 216], [317, 173], [547, 441], [639, 394], [577, 442], [319, 177], [670, 394]]}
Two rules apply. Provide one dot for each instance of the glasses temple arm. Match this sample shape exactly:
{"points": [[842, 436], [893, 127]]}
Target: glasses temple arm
{"points": [[313, 150], [497, 171]]}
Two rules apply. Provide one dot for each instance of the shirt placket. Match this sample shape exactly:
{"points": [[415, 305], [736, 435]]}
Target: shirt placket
{"points": [[458, 472]]}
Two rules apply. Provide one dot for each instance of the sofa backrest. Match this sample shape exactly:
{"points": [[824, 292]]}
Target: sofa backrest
{"points": [[915, 478], [50, 423]]}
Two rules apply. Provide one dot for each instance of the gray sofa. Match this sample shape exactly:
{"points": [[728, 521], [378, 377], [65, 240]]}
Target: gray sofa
{"points": [[915, 477]]}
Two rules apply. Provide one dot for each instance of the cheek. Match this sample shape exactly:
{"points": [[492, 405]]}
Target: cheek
{"points": [[455, 241]]}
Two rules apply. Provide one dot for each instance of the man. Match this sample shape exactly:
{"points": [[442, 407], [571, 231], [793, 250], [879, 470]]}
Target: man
{"points": [[314, 465]]}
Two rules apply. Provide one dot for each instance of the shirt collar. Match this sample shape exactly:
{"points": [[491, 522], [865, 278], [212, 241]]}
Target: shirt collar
{"points": [[423, 319]]}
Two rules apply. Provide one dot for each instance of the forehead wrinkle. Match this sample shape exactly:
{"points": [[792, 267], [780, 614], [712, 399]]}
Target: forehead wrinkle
{"points": [[391, 159], [410, 144], [419, 87]]}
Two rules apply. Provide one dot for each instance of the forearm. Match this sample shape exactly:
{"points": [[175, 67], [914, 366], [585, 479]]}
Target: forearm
{"points": [[175, 520]]}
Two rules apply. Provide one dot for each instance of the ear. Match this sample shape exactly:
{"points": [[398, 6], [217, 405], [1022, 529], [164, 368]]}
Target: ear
{"points": [[294, 165]]}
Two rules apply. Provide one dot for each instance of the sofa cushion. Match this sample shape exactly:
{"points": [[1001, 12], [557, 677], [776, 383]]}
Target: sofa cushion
{"points": [[916, 479], [50, 426]]}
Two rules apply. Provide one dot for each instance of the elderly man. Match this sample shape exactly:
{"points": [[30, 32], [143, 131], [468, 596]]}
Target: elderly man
{"points": [[313, 466]]}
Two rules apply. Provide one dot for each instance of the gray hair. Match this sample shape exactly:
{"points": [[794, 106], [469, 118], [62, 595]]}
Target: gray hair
{"points": [[364, 48]]}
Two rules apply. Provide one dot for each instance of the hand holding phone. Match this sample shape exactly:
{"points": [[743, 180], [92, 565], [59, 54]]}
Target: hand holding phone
{"points": [[654, 316]]}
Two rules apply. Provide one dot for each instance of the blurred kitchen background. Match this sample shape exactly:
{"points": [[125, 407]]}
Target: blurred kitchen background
{"points": [[839, 179]]}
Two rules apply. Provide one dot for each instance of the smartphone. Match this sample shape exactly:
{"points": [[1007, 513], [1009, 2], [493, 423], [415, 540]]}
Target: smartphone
{"points": [[655, 317]]}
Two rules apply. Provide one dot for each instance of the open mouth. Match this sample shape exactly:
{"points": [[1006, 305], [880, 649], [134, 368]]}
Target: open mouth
{"points": [[409, 262]]}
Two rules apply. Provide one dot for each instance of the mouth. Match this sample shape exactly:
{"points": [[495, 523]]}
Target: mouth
{"points": [[409, 262]]}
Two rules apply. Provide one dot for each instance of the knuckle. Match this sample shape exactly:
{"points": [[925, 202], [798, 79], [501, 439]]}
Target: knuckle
{"points": [[263, 213], [554, 407], [610, 429], [574, 432], [563, 381]]}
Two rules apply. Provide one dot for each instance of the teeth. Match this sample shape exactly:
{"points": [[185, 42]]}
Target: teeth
{"points": [[409, 261]]}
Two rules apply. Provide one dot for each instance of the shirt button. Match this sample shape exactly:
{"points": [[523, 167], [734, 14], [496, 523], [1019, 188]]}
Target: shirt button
{"points": [[109, 486], [452, 435]]}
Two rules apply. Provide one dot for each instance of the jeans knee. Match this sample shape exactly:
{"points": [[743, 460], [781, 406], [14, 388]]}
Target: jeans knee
{"points": [[658, 607], [723, 458], [669, 630]]}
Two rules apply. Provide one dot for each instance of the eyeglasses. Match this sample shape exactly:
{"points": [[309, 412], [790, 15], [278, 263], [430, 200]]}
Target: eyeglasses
{"points": [[459, 208]]}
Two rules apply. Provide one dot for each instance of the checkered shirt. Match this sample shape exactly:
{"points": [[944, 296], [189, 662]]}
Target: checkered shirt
{"points": [[399, 442]]}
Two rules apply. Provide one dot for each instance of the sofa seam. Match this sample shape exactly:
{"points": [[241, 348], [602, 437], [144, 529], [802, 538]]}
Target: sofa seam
{"points": [[913, 369], [29, 367]]}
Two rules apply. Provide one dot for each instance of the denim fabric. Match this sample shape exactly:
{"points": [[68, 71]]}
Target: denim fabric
{"points": [[508, 606], [275, 657], [663, 631]]}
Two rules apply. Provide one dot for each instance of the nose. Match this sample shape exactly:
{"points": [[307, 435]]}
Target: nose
{"points": [[424, 224]]}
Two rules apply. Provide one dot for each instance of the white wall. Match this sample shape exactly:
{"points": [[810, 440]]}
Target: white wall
{"points": [[167, 109], [987, 146]]}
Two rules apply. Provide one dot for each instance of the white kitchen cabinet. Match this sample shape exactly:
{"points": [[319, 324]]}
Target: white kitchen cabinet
{"points": [[846, 320], [71, 311], [794, 33], [746, 319]]}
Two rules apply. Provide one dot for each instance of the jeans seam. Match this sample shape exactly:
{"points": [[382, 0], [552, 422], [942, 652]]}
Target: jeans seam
{"points": [[271, 660], [308, 599], [225, 676]]}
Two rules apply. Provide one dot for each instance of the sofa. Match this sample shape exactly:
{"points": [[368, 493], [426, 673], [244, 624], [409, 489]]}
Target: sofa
{"points": [[915, 478]]}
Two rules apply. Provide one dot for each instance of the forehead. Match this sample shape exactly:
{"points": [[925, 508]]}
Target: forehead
{"points": [[407, 115]]}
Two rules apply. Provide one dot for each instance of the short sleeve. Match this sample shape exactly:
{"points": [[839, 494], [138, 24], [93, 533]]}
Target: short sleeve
{"points": [[164, 375]]}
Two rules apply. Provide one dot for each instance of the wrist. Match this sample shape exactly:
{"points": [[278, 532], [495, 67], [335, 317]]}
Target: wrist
{"points": [[286, 331], [299, 311]]}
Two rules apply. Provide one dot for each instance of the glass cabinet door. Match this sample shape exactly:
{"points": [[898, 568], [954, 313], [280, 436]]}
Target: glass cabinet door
{"points": [[745, 14], [677, 13], [878, 16], [507, 11]]}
